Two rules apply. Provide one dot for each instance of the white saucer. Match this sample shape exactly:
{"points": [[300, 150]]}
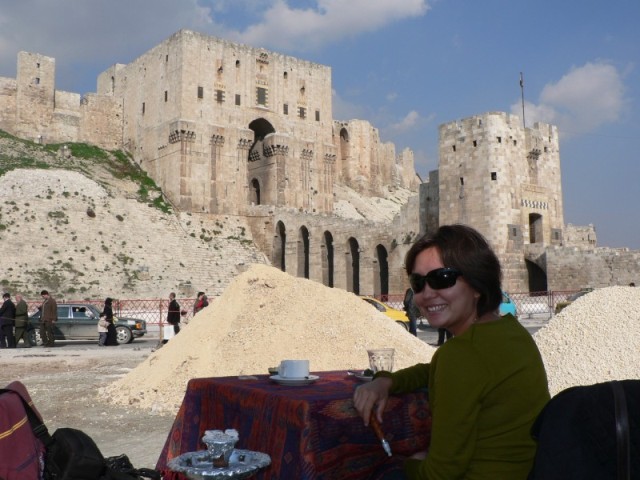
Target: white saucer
{"points": [[293, 382]]}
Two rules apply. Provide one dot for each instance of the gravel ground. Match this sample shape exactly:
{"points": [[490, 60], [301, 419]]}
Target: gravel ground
{"points": [[63, 382]]}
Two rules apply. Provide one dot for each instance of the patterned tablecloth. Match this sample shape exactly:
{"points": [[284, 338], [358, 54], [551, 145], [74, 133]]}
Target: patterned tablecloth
{"points": [[310, 431]]}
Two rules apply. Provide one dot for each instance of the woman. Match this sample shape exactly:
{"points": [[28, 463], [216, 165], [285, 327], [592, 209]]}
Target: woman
{"points": [[111, 337], [486, 385]]}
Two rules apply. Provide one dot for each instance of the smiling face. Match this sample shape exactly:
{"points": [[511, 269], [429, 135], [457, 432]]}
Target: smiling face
{"points": [[453, 308]]}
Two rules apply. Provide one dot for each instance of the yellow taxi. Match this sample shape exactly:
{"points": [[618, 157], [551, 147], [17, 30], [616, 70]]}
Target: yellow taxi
{"points": [[393, 313]]}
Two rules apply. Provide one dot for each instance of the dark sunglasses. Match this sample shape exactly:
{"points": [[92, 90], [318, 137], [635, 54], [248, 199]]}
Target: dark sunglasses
{"points": [[436, 279]]}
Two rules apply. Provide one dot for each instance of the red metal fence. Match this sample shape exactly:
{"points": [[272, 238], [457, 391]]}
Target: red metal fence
{"points": [[154, 311]]}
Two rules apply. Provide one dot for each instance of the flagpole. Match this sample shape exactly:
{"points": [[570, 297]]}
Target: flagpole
{"points": [[524, 125]]}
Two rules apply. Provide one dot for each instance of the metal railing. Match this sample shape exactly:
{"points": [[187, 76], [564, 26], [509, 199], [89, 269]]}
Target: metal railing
{"points": [[528, 304], [154, 311]]}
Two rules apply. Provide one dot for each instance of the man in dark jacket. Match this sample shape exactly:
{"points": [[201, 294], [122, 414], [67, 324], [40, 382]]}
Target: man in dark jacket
{"points": [[7, 322], [173, 313], [48, 317], [22, 321]]}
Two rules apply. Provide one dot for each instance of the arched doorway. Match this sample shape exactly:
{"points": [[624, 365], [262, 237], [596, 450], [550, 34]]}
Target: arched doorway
{"points": [[327, 259], [353, 266], [381, 273], [303, 252], [537, 277], [279, 244]]}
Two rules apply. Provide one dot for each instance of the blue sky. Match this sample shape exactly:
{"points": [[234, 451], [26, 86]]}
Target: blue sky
{"points": [[406, 66]]}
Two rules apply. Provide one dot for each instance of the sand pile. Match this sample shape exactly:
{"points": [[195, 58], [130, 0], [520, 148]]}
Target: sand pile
{"points": [[262, 317], [594, 339]]}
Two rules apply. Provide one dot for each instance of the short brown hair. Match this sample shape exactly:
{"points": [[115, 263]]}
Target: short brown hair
{"points": [[465, 249]]}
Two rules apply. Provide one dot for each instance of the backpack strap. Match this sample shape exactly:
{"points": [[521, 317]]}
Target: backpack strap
{"points": [[622, 431], [39, 428]]}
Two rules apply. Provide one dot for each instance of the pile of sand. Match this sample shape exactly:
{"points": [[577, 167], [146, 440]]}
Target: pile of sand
{"points": [[262, 317], [594, 339]]}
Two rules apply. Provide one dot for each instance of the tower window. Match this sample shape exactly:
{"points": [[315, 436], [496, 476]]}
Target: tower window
{"points": [[261, 94], [461, 180], [237, 99], [494, 176], [475, 143], [143, 107], [200, 92], [515, 142], [499, 139], [317, 115], [285, 75], [166, 95], [454, 148], [37, 81], [285, 109], [220, 96], [302, 112], [237, 63]]}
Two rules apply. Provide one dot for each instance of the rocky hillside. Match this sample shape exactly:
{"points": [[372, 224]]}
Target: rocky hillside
{"points": [[85, 223]]}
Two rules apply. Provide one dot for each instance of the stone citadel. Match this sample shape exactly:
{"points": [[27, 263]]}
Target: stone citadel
{"points": [[224, 128]]}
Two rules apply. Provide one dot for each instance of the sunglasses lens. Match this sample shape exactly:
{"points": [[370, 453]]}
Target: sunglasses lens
{"points": [[417, 282], [437, 279]]}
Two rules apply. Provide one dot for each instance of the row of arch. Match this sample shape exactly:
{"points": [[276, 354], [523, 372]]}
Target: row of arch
{"points": [[352, 269]]}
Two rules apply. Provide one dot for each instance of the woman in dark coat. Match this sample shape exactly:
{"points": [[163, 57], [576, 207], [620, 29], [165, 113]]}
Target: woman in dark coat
{"points": [[107, 312]]}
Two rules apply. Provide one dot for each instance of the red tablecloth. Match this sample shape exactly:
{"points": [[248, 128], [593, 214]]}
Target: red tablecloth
{"points": [[310, 432]]}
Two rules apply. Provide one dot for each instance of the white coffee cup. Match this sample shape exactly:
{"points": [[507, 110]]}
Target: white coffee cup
{"points": [[294, 369]]}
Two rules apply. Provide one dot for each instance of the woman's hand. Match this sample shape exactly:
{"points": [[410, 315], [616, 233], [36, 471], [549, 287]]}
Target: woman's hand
{"points": [[371, 394]]}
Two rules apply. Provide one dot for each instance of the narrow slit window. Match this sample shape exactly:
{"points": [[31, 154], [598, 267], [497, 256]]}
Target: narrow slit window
{"points": [[166, 95], [475, 143], [461, 180], [499, 139], [220, 96], [454, 148], [200, 92], [317, 115], [261, 96], [494, 176], [143, 107], [238, 99], [285, 109], [302, 112]]}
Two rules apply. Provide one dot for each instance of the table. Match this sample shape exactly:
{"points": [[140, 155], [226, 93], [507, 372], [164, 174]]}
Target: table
{"points": [[310, 432]]}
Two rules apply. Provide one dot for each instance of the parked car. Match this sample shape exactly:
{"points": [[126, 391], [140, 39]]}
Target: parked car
{"points": [[399, 316], [572, 298], [79, 321], [507, 305]]}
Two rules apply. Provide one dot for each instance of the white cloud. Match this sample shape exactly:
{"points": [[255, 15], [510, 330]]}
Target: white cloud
{"points": [[581, 101], [299, 29], [410, 120], [92, 30]]}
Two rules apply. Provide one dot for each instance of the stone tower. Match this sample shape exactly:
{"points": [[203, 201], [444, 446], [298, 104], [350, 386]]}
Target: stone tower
{"points": [[502, 178]]}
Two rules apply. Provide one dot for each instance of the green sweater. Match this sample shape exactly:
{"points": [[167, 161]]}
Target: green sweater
{"points": [[486, 387]]}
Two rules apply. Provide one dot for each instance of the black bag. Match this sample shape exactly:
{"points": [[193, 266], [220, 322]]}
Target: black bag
{"points": [[589, 432], [73, 455]]}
